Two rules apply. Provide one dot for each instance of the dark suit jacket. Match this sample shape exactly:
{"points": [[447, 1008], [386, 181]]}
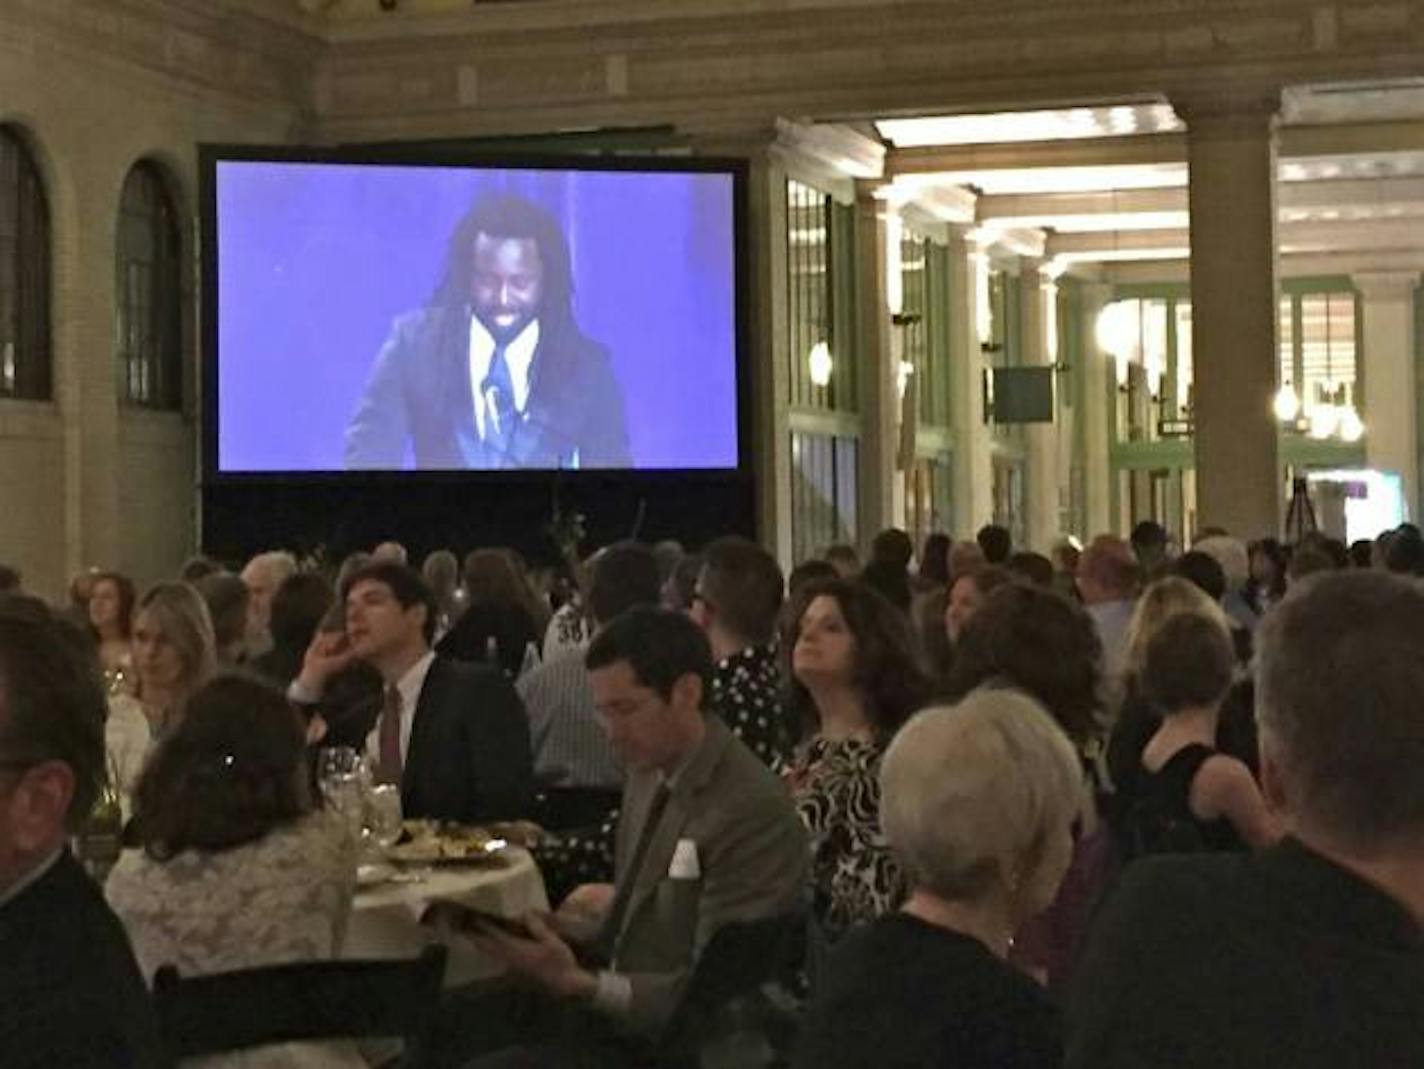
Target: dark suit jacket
{"points": [[419, 392], [70, 990], [1278, 960], [509, 626], [469, 757], [751, 852]]}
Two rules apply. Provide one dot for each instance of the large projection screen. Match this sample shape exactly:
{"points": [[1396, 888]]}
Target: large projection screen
{"points": [[422, 317]]}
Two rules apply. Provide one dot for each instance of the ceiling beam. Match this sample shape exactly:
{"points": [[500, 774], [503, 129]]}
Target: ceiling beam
{"points": [[1297, 142], [1083, 152], [1039, 209], [1375, 235]]}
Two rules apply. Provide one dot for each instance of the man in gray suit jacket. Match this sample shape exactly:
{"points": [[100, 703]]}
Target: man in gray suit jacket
{"points": [[708, 836]]}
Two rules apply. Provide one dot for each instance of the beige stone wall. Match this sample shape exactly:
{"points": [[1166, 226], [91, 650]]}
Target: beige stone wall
{"points": [[98, 85], [735, 64]]}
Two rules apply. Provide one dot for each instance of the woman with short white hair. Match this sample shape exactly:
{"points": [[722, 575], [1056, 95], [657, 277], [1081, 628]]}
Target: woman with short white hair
{"points": [[978, 802]]}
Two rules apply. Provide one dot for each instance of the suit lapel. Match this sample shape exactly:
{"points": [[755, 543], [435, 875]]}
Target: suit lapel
{"points": [[420, 729], [455, 396], [680, 807]]}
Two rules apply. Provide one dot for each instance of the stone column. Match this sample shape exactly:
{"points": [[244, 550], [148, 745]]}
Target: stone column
{"points": [[85, 380], [973, 461], [1036, 304], [1095, 414], [879, 399], [1388, 404], [771, 435], [1231, 154]]}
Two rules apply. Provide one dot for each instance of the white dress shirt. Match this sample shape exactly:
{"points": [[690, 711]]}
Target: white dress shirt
{"points": [[409, 686], [518, 356]]}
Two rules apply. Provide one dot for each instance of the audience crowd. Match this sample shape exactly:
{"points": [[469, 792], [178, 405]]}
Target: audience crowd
{"points": [[1117, 805]]}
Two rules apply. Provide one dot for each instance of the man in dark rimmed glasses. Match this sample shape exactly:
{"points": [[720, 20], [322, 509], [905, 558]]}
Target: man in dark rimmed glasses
{"points": [[71, 991]]}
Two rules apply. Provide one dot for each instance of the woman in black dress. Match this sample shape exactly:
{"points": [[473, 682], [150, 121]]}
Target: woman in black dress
{"points": [[978, 804]]}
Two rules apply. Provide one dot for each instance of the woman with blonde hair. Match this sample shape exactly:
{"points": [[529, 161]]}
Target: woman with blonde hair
{"points": [[978, 802], [174, 653], [1159, 603]]}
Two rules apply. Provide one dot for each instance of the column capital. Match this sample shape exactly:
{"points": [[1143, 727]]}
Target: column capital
{"points": [[1386, 285], [867, 190], [1228, 109]]}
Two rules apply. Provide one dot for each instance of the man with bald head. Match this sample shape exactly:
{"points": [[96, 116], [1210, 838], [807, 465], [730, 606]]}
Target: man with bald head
{"points": [[1107, 581], [262, 576]]}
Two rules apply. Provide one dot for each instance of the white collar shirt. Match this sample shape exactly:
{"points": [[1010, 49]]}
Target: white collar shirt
{"points": [[518, 355], [409, 685]]}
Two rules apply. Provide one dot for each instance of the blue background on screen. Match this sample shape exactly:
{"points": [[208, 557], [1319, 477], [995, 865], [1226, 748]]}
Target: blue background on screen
{"points": [[316, 260]]}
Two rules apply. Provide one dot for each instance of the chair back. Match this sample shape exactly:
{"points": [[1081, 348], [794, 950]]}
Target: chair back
{"points": [[314, 1000], [738, 961], [570, 808]]}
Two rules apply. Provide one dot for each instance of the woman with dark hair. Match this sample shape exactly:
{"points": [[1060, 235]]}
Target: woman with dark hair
{"points": [[1040, 642], [934, 559], [1045, 645], [497, 626], [239, 867], [298, 608], [227, 599], [967, 595], [110, 609], [1267, 584], [852, 679], [441, 570]]}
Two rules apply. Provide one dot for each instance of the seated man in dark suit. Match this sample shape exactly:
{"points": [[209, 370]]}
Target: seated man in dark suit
{"points": [[453, 735], [494, 372], [707, 836], [70, 991], [1308, 953]]}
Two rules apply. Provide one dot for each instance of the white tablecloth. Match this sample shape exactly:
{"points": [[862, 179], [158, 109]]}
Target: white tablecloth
{"points": [[384, 922]]}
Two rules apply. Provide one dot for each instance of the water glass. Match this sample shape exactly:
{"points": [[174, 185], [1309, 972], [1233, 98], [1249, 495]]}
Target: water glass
{"points": [[339, 773], [383, 814]]}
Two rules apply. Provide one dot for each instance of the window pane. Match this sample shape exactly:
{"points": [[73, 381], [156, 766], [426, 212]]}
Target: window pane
{"points": [[808, 296], [24, 273], [148, 309], [1182, 395], [1287, 344]]}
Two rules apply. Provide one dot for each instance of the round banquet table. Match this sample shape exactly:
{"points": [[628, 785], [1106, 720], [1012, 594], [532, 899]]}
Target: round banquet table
{"points": [[385, 919]]}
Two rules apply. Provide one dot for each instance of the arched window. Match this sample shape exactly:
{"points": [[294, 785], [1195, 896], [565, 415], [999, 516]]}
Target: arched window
{"points": [[24, 273], [149, 297]]}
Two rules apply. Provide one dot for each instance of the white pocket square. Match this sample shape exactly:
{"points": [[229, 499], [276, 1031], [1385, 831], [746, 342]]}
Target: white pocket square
{"points": [[685, 865]]}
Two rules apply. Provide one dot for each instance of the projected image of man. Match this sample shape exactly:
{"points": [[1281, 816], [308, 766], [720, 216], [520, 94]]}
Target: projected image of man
{"points": [[494, 372]]}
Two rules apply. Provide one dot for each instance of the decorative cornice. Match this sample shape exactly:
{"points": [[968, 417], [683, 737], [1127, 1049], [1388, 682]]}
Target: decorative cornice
{"points": [[737, 62], [253, 51]]}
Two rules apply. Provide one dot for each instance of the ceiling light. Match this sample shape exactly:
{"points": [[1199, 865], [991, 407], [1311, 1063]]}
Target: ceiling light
{"points": [[819, 364], [1287, 404]]}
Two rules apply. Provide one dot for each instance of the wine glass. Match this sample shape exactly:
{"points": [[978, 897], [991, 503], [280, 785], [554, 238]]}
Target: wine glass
{"points": [[383, 814]]}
